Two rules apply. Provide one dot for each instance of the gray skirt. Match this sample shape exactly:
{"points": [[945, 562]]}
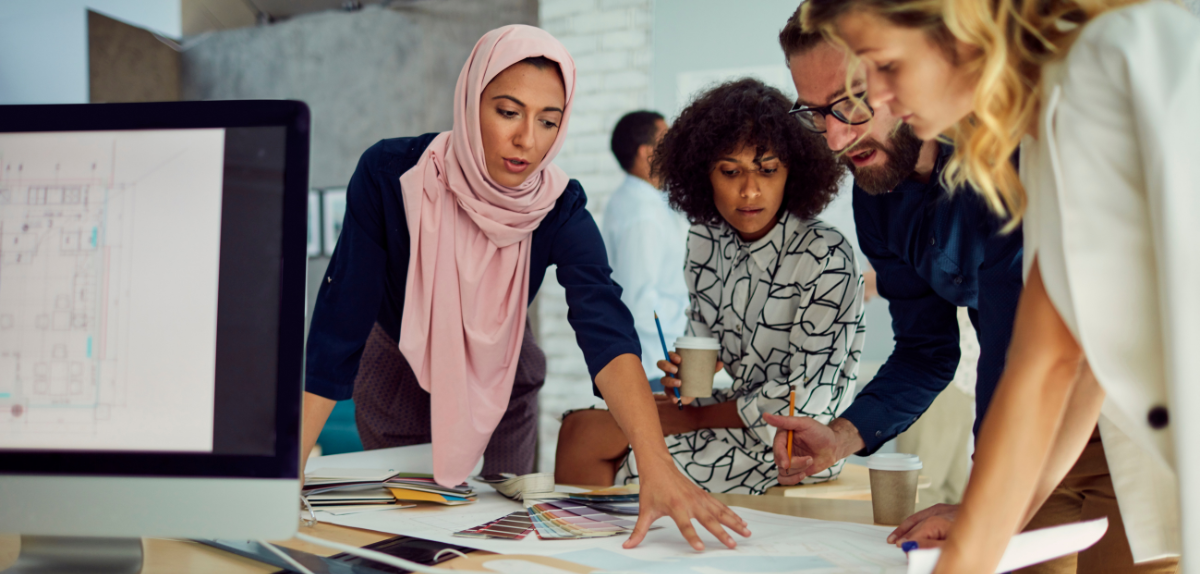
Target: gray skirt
{"points": [[392, 409]]}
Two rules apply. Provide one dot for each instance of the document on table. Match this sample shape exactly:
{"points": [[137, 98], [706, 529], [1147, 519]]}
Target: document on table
{"points": [[779, 543], [1028, 548]]}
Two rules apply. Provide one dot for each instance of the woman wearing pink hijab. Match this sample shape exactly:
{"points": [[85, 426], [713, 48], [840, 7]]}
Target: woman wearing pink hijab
{"points": [[447, 238]]}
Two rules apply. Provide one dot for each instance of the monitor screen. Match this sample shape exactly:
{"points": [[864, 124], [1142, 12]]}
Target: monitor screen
{"points": [[142, 294]]}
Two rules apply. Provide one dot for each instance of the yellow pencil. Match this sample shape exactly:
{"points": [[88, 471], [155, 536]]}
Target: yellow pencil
{"points": [[791, 413]]}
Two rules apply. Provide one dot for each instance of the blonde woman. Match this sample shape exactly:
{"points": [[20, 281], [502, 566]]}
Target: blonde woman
{"points": [[1102, 98]]}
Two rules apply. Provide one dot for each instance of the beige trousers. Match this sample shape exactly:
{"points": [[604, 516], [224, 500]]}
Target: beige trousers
{"points": [[1085, 494]]}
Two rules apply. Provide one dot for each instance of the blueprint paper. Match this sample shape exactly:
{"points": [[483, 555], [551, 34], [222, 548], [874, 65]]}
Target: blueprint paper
{"points": [[108, 289], [1028, 548], [779, 543]]}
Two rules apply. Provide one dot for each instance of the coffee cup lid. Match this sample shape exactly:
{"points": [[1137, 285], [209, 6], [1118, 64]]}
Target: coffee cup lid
{"points": [[894, 461], [701, 343]]}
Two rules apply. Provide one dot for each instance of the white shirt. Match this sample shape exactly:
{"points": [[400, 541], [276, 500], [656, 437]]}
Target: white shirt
{"points": [[647, 245], [1114, 220]]}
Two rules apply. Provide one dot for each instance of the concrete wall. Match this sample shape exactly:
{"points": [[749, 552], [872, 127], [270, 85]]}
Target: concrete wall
{"points": [[366, 75], [611, 41]]}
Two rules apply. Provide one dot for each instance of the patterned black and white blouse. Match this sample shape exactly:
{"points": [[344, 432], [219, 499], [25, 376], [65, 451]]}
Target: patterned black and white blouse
{"points": [[788, 310]]}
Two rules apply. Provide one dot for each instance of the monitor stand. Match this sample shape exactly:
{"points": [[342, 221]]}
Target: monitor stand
{"points": [[85, 555]]}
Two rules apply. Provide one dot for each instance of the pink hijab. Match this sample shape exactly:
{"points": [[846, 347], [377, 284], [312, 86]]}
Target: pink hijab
{"points": [[468, 272]]}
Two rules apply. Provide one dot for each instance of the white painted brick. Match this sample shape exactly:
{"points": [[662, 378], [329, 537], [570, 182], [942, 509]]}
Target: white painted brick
{"points": [[602, 21], [624, 39], [611, 43], [603, 61], [626, 79], [593, 143], [640, 59], [588, 83], [551, 9], [628, 95], [585, 124], [645, 5], [579, 45]]}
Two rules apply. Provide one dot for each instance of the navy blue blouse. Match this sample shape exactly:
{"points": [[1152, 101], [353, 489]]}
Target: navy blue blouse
{"points": [[366, 279], [933, 252]]}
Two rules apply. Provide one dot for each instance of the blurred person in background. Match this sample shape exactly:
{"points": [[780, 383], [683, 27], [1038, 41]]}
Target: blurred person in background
{"points": [[646, 240]]}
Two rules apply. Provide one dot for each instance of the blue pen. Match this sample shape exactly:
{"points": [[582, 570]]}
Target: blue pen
{"points": [[667, 354], [909, 546]]}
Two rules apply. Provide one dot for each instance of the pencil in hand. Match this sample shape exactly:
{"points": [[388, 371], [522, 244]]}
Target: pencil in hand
{"points": [[791, 413], [667, 354]]}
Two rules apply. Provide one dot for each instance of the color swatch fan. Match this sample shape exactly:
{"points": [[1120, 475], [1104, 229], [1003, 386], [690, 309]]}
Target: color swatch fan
{"points": [[515, 526], [567, 519]]}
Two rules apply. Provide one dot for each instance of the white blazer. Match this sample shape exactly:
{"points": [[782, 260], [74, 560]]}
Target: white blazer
{"points": [[1114, 220]]}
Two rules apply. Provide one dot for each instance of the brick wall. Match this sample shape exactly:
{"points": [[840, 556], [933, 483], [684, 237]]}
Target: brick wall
{"points": [[611, 43]]}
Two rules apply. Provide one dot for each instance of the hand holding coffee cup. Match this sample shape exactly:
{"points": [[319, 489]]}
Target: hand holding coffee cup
{"points": [[692, 367]]}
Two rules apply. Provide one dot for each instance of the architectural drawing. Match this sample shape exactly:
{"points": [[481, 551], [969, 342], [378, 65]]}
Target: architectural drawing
{"points": [[61, 262], [68, 219]]}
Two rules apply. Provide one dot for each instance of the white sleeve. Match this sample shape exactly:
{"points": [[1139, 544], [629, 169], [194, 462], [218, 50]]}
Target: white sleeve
{"points": [[821, 337]]}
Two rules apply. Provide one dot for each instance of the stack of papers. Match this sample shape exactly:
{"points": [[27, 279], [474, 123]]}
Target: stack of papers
{"points": [[348, 491], [422, 488], [329, 479], [516, 487], [627, 493]]}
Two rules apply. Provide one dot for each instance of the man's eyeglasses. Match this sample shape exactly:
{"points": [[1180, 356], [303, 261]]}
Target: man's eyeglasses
{"points": [[850, 110]]}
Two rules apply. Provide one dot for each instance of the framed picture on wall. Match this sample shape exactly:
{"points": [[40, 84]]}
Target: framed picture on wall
{"points": [[333, 207], [314, 223]]}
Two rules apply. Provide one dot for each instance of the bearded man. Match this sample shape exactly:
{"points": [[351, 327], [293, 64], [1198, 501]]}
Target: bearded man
{"points": [[933, 250]]}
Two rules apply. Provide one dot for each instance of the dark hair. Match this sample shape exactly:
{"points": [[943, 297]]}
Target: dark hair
{"points": [[722, 120], [542, 62], [634, 130], [794, 39]]}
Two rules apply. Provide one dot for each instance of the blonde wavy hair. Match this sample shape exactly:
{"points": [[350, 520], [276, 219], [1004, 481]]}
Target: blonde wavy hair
{"points": [[1013, 39]]}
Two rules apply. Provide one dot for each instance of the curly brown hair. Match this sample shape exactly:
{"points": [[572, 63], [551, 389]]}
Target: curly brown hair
{"points": [[723, 120]]}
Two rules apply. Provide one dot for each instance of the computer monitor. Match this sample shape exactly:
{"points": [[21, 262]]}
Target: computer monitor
{"points": [[152, 293]]}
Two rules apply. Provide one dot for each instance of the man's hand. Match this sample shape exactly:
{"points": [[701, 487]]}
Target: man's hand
{"points": [[666, 492], [672, 419], [928, 528], [815, 447]]}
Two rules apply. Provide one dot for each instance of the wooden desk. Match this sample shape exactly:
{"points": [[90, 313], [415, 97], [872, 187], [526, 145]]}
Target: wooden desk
{"points": [[854, 483], [183, 556]]}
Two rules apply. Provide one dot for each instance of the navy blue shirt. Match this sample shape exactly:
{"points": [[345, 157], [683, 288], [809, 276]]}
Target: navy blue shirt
{"points": [[366, 278], [933, 252]]}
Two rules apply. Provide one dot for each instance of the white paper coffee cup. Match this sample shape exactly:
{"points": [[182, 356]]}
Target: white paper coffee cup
{"points": [[698, 364], [893, 486]]}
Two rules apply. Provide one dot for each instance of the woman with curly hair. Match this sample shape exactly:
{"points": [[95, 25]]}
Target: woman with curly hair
{"points": [[779, 289]]}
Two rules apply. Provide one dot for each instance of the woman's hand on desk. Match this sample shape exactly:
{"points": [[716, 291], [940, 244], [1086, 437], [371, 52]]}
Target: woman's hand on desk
{"points": [[666, 492]]}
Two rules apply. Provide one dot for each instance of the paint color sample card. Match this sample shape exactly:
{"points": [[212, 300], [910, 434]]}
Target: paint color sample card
{"points": [[559, 519], [515, 526]]}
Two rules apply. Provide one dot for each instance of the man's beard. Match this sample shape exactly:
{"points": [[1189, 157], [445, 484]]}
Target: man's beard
{"points": [[901, 159]]}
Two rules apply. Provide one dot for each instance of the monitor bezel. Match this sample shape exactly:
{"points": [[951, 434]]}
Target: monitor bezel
{"points": [[295, 116]]}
